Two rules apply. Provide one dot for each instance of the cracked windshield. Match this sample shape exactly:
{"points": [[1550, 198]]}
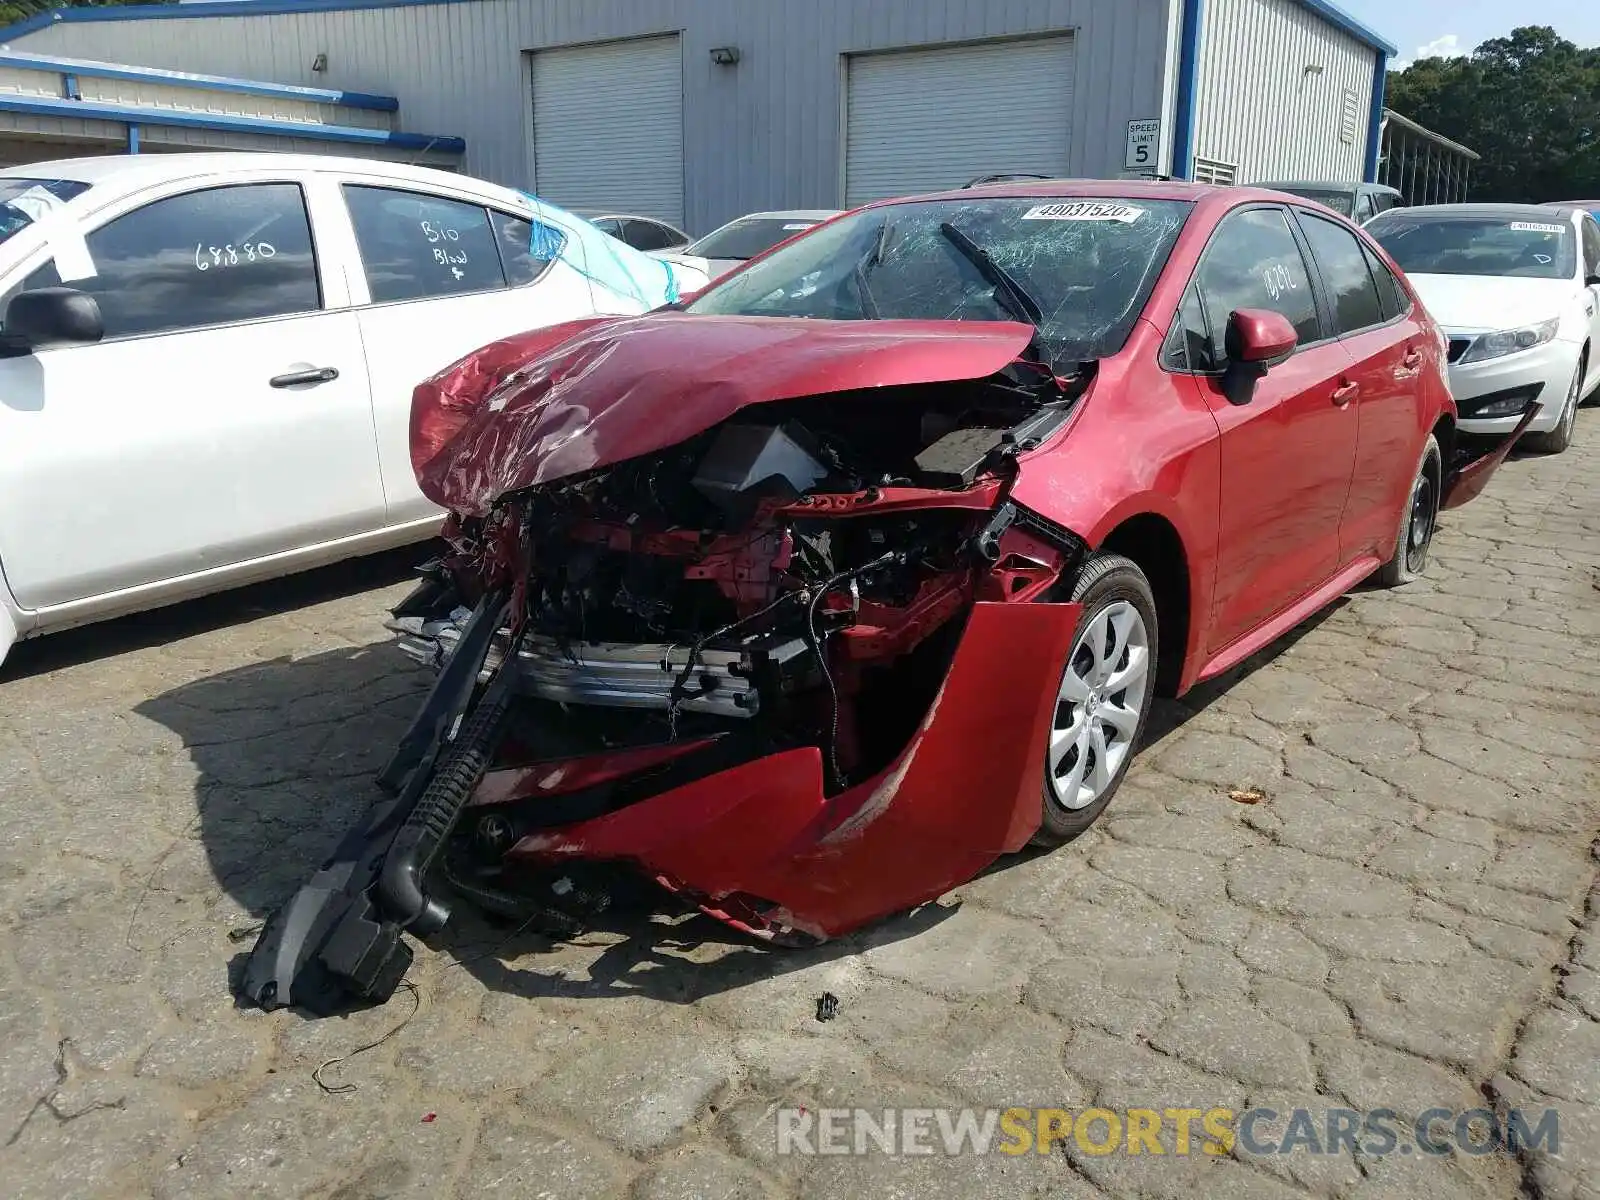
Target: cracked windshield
{"points": [[1078, 269]]}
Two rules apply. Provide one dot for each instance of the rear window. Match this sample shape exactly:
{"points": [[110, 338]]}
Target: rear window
{"points": [[749, 237], [1341, 202], [24, 201]]}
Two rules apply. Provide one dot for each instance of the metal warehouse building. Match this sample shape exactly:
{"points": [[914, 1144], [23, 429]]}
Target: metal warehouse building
{"points": [[698, 110]]}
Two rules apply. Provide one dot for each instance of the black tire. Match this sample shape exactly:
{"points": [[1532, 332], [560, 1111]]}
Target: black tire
{"points": [[1410, 558], [1554, 441], [1106, 579]]}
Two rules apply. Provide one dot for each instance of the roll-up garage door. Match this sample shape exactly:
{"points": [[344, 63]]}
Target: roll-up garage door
{"points": [[925, 120], [608, 127]]}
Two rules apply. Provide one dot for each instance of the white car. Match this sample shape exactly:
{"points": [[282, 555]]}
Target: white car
{"points": [[207, 360], [1516, 289]]}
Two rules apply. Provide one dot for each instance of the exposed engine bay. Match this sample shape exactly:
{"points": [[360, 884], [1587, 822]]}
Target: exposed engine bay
{"points": [[774, 602], [779, 577]]}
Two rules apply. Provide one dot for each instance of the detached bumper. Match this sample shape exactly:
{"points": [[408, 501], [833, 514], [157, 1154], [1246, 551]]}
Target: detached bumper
{"points": [[1469, 474], [761, 847], [758, 845]]}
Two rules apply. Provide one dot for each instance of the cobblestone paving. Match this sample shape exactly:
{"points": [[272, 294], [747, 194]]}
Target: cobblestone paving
{"points": [[1410, 918]]}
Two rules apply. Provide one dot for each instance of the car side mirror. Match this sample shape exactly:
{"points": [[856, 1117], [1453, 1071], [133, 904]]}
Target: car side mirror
{"points": [[1256, 341], [49, 317]]}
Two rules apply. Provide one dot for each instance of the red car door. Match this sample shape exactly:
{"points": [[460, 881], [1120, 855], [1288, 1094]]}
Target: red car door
{"points": [[1386, 346], [1287, 453]]}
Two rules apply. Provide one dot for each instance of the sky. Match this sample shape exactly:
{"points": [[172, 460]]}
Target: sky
{"points": [[1423, 27]]}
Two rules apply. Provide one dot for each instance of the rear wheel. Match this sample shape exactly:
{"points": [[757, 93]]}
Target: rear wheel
{"points": [[1421, 519], [1559, 438], [1103, 698]]}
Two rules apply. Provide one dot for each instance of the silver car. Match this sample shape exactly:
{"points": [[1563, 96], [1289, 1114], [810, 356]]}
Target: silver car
{"points": [[745, 237]]}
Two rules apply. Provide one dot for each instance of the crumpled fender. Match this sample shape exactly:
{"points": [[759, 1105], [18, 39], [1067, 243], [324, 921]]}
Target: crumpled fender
{"points": [[542, 406], [966, 789]]}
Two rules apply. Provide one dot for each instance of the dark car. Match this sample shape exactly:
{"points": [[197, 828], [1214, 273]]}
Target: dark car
{"points": [[1358, 201], [642, 233], [811, 596]]}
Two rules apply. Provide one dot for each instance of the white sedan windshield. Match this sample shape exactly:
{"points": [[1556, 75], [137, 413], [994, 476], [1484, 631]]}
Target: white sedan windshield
{"points": [[1087, 264], [1478, 245]]}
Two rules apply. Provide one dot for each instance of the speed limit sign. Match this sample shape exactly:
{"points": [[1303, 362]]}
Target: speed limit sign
{"points": [[1143, 151]]}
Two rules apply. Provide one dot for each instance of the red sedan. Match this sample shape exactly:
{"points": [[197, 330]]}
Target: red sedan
{"points": [[811, 595]]}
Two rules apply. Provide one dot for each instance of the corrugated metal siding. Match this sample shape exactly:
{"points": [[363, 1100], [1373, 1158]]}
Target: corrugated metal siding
{"points": [[624, 96], [1260, 110], [762, 134], [925, 120]]}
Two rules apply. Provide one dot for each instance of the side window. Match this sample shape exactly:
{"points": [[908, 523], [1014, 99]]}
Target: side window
{"points": [[1591, 246], [209, 257], [1364, 212], [1391, 295], [416, 246], [609, 226], [1189, 341], [1351, 291], [523, 257], [647, 235], [1253, 261]]}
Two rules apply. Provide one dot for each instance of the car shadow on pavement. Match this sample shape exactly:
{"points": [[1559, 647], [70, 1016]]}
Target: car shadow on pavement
{"points": [[286, 752], [205, 614]]}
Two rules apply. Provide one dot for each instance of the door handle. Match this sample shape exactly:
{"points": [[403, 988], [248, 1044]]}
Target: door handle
{"points": [[309, 375], [1345, 393], [1412, 360]]}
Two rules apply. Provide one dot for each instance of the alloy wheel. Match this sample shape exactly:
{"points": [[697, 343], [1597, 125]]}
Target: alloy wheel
{"points": [[1098, 707]]}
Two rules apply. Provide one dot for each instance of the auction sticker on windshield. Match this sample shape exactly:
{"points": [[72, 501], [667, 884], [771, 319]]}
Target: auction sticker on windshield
{"points": [[1084, 210], [1536, 227]]}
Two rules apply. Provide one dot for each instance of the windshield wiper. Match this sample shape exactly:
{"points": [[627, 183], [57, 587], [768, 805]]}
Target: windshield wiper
{"points": [[873, 256], [1012, 294]]}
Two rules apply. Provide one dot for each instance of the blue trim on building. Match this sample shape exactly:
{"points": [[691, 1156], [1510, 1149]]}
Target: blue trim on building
{"points": [[133, 138], [1331, 13], [23, 61], [69, 85], [44, 106], [1188, 90], [230, 8], [1380, 82]]}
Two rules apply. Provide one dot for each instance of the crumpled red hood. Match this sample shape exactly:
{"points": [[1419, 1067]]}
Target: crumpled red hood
{"points": [[555, 402]]}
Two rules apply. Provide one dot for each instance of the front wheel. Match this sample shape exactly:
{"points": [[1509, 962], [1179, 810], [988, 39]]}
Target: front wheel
{"points": [[1421, 518], [1103, 698], [1558, 439]]}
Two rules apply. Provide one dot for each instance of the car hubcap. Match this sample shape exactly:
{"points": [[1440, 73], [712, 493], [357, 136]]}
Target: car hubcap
{"points": [[1569, 417], [1424, 512], [1098, 708]]}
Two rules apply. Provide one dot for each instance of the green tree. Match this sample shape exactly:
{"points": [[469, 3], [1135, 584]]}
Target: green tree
{"points": [[1529, 103]]}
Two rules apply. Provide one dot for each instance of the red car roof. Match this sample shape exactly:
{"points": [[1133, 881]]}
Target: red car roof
{"points": [[1110, 189]]}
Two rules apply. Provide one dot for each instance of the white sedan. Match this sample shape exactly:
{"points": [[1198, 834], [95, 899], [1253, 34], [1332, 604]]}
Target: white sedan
{"points": [[207, 360], [1516, 289]]}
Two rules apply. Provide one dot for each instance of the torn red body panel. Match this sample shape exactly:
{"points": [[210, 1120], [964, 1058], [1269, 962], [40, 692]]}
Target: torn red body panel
{"points": [[507, 418], [965, 791], [1467, 479]]}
